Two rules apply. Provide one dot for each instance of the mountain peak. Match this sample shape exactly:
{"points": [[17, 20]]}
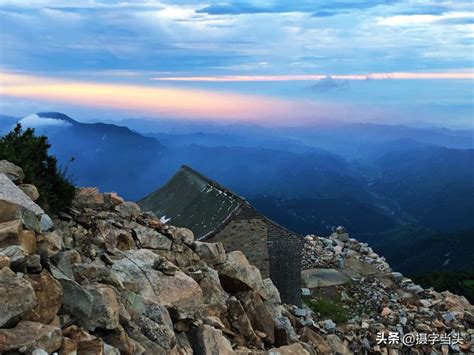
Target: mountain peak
{"points": [[47, 119]]}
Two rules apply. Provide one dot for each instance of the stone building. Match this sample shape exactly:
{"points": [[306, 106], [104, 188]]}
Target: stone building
{"points": [[215, 214]]}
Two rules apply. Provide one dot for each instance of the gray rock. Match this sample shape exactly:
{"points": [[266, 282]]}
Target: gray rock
{"points": [[16, 296], [128, 210], [29, 336], [208, 340], [46, 223], [77, 301], [105, 308], [15, 204], [13, 172], [211, 253], [30, 190], [151, 239], [329, 325], [49, 244], [236, 274], [284, 332]]}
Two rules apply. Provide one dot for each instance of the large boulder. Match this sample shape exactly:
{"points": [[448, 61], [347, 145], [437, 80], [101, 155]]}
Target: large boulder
{"points": [[129, 210], [15, 204], [208, 340], [49, 244], [16, 296], [211, 253], [214, 296], [259, 314], [151, 239], [49, 297], [29, 336], [241, 323], [157, 316], [136, 271], [12, 233], [30, 190], [77, 301], [105, 308], [13, 172], [237, 274], [337, 346]]}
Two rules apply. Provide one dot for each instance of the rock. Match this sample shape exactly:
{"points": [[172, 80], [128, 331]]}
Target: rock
{"points": [[305, 292], [211, 253], [89, 197], [136, 270], [15, 204], [68, 347], [157, 318], [49, 295], [28, 336], [105, 308], [91, 347], [469, 317], [315, 340], [76, 300], [270, 292], [49, 244], [284, 332], [236, 274], [337, 345], [241, 323], [386, 312], [151, 239], [208, 340], [293, 349], [46, 223], [4, 261], [184, 235], [111, 200], [258, 313], [12, 233], [13, 172], [30, 190], [214, 296], [16, 296], [329, 325], [64, 261], [128, 210]]}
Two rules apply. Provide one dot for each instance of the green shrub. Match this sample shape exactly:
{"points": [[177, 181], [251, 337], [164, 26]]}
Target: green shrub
{"points": [[30, 152], [329, 309]]}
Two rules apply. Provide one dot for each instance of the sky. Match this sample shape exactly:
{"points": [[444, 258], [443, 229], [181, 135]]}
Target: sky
{"points": [[267, 62]]}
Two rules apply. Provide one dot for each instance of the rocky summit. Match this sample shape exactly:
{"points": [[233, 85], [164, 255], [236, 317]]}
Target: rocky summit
{"points": [[105, 277]]}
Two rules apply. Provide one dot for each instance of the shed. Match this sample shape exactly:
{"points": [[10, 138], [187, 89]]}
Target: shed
{"points": [[216, 214]]}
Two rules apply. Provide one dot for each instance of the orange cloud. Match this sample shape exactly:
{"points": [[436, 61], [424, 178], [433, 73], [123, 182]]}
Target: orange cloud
{"points": [[312, 77], [165, 101]]}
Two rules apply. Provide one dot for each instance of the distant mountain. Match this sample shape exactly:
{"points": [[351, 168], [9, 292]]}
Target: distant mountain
{"points": [[105, 155], [7, 123], [321, 216], [435, 185]]}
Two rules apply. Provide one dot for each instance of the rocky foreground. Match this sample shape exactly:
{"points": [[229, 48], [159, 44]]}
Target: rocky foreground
{"points": [[107, 278]]}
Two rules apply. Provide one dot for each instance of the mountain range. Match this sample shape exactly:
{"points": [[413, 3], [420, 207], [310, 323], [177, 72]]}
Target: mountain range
{"points": [[385, 183]]}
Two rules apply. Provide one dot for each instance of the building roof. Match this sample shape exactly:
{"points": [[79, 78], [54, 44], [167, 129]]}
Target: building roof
{"points": [[194, 201]]}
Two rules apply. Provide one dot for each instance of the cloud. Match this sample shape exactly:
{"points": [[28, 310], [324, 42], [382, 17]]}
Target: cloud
{"points": [[327, 79], [323, 8], [35, 121], [152, 100]]}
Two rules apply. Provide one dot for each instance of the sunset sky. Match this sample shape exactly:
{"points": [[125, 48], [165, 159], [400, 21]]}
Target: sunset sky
{"points": [[266, 62]]}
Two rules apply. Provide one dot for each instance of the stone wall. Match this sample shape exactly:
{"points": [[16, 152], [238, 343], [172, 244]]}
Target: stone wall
{"points": [[273, 249], [250, 237], [285, 249]]}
